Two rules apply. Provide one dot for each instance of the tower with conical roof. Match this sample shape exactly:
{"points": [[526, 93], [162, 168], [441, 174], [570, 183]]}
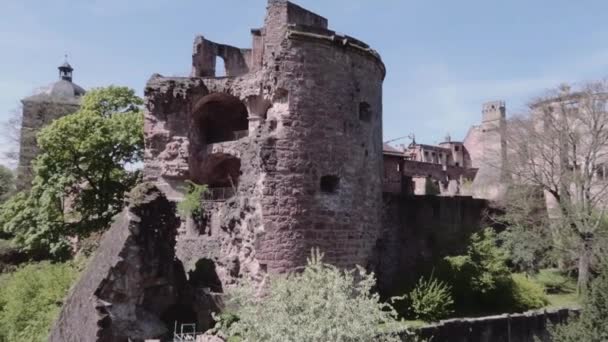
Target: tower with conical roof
{"points": [[41, 108]]}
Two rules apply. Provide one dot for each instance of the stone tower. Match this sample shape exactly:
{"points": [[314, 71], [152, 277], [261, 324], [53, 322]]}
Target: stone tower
{"points": [[487, 146], [289, 143], [47, 104]]}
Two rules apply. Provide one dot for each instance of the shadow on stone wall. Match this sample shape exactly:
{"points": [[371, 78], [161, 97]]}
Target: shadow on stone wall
{"points": [[420, 230], [134, 288]]}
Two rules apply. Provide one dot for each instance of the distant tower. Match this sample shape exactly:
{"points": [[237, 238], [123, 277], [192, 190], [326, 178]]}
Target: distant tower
{"points": [[493, 126], [487, 146], [47, 104]]}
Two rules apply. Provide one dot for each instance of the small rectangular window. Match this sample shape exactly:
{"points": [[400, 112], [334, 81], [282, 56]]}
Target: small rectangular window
{"points": [[330, 183], [365, 112]]}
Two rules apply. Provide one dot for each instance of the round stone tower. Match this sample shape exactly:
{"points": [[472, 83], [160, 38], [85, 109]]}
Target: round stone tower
{"points": [[328, 148], [289, 143]]}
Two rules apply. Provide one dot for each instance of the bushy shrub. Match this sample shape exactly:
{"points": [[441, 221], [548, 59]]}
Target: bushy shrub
{"points": [[7, 183], [555, 281], [476, 276], [431, 299], [482, 282], [526, 294], [6, 247], [10, 256], [591, 325], [322, 303], [30, 299], [484, 266]]}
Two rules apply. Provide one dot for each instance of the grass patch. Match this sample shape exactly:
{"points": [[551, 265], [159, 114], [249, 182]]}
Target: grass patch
{"points": [[555, 282], [30, 299], [563, 300]]}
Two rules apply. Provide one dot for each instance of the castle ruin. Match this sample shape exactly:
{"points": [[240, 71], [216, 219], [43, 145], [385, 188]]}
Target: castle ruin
{"points": [[289, 143]]}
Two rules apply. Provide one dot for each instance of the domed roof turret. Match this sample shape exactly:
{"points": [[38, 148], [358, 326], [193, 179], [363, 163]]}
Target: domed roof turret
{"points": [[63, 90]]}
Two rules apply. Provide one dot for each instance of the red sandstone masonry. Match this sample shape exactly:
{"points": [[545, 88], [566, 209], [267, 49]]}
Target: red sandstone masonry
{"points": [[307, 174]]}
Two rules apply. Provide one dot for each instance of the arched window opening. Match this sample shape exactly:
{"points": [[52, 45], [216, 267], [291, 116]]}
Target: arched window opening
{"points": [[220, 117], [220, 67], [204, 275], [221, 173]]}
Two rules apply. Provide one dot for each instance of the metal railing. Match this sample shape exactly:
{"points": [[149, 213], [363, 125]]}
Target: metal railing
{"points": [[240, 134], [187, 333], [219, 194]]}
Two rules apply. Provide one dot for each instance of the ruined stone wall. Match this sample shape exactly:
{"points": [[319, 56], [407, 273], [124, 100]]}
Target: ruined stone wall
{"points": [[525, 327], [36, 115], [418, 231], [236, 61], [306, 173], [436, 171], [392, 181], [132, 280]]}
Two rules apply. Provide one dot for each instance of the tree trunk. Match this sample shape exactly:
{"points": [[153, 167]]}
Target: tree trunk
{"points": [[584, 264]]}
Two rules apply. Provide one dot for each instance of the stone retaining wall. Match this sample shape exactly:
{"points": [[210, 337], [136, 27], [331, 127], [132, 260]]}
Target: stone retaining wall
{"points": [[524, 327]]}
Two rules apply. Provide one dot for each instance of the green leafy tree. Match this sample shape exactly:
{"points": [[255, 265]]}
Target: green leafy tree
{"points": [[81, 174], [485, 264], [7, 183], [591, 325], [483, 283], [322, 303], [30, 299]]}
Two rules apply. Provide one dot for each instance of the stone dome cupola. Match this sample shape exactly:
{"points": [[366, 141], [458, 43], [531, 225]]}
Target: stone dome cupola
{"points": [[63, 90]]}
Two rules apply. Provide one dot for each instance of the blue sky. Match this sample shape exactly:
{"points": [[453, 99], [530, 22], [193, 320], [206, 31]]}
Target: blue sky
{"points": [[444, 58]]}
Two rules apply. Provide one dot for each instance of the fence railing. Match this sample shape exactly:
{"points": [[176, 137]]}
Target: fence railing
{"points": [[240, 134], [219, 194]]}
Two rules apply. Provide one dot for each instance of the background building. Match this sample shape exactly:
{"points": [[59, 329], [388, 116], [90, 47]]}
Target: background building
{"points": [[47, 104]]}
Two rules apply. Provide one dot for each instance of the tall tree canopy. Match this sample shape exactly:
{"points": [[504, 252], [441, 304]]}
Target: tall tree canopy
{"points": [[561, 148], [7, 182], [81, 174]]}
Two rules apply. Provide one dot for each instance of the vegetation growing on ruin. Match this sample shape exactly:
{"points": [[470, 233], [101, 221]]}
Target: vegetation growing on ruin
{"points": [[81, 174], [191, 204], [322, 303], [30, 299]]}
